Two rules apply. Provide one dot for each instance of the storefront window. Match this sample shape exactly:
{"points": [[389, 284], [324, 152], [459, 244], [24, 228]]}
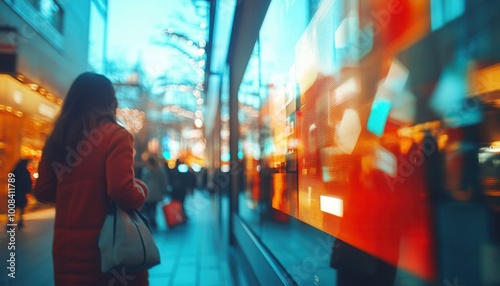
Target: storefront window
{"points": [[26, 118], [378, 142]]}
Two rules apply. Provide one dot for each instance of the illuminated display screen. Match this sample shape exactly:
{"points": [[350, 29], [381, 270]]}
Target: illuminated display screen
{"points": [[348, 181]]}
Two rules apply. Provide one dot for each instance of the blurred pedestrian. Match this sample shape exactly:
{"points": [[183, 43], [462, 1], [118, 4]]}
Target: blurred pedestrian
{"points": [[87, 162], [22, 187], [191, 181], [156, 180], [180, 182], [203, 178]]}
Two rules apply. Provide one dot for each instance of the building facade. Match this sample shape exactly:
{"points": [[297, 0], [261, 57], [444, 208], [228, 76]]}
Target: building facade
{"points": [[362, 142], [44, 45]]}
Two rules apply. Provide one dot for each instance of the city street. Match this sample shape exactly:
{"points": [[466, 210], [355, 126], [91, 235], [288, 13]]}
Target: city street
{"points": [[191, 254]]}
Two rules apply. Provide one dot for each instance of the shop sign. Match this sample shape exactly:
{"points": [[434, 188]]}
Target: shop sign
{"points": [[20, 97]]}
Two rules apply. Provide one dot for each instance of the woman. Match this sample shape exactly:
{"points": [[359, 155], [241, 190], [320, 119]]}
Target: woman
{"points": [[87, 161], [155, 179]]}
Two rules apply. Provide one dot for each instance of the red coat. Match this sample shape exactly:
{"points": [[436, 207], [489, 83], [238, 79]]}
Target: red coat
{"points": [[101, 167]]}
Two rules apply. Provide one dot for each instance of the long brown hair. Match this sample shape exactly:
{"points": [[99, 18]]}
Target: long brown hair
{"points": [[90, 100]]}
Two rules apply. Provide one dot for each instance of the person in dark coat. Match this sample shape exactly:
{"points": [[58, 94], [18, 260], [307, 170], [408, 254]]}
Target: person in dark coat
{"points": [[181, 181], [156, 180], [23, 185], [86, 162]]}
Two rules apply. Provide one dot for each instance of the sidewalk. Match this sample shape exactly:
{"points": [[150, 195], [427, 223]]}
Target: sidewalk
{"points": [[191, 253]]}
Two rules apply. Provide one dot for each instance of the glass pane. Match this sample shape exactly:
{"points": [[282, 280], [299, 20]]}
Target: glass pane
{"points": [[379, 142], [52, 13]]}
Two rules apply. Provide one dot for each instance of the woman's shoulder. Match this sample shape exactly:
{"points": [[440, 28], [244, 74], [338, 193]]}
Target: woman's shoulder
{"points": [[109, 128]]}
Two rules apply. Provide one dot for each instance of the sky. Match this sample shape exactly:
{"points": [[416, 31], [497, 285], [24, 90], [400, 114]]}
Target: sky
{"points": [[131, 26]]}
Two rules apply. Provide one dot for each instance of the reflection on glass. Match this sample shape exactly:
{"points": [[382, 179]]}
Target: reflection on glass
{"points": [[392, 152], [443, 11]]}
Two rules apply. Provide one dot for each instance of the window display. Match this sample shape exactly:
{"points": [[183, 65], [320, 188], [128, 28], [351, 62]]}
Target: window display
{"points": [[381, 134]]}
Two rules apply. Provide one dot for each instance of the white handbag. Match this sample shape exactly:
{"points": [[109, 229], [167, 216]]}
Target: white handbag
{"points": [[126, 242]]}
